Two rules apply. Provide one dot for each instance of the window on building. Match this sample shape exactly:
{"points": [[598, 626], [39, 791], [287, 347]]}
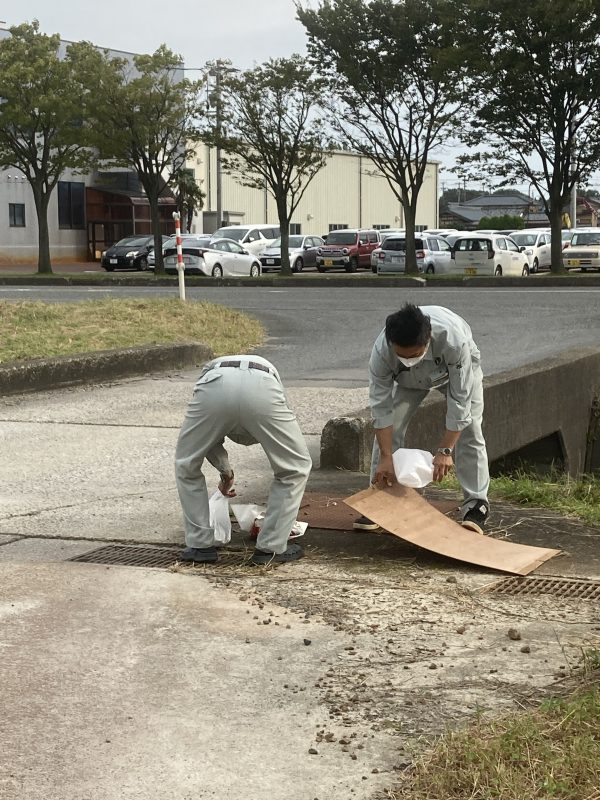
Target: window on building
{"points": [[295, 229], [338, 226], [71, 204], [16, 215], [420, 228], [381, 227]]}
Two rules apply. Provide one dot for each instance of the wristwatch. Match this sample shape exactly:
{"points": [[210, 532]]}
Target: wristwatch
{"points": [[445, 451]]}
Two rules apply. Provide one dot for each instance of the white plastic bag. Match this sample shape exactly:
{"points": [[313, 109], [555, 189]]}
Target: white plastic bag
{"points": [[246, 513], [413, 468], [218, 507]]}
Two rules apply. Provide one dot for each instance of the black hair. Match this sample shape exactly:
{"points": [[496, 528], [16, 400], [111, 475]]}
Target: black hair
{"points": [[409, 327]]}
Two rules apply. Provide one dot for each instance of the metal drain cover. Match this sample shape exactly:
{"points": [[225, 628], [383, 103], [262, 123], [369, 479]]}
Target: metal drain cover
{"points": [[158, 557], [577, 589]]}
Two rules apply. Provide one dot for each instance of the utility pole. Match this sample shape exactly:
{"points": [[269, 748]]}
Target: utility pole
{"points": [[219, 122]]}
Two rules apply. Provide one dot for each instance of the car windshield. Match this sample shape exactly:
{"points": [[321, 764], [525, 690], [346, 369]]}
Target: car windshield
{"points": [[132, 241], [586, 238], [341, 237], [524, 239], [294, 241], [237, 234]]}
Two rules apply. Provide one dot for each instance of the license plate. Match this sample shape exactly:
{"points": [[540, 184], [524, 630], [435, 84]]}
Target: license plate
{"points": [[398, 259], [470, 271], [328, 262], [574, 262], [270, 260], [114, 261]]}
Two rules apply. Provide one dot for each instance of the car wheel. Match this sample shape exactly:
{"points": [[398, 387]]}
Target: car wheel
{"points": [[217, 271], [320, 268], [255, 270], [109, 268], [584, 269], [352, 265], [498, 271], [298, 265], [525, 272], [536, 265], [430, 270], [143, 264]]}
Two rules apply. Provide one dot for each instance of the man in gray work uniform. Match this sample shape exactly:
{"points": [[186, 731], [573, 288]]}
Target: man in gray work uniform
{"points": [[241, 397], [423, 348]]}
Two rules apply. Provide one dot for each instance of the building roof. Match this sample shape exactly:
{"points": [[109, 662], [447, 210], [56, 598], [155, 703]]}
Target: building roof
{"points": [[509, 200]]}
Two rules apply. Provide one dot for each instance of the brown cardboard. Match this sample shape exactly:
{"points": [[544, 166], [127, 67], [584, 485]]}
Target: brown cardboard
{"points": [[403, 512]]}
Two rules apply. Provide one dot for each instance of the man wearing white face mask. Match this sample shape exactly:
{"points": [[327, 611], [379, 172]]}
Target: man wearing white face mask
{"points": [[423, 348]]}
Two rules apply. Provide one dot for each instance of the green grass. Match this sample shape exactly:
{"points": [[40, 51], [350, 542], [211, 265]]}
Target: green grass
{"points": [[578, 497], [550, 753], [36, 329]]}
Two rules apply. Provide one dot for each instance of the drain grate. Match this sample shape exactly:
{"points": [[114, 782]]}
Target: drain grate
{"points": [[157, 557], [557, 587]]}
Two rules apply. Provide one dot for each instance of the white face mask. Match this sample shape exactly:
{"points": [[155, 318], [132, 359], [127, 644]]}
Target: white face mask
{"points": [[410, 362]]}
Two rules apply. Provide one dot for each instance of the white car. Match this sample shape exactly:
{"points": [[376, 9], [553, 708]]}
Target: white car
{"points": [[583, 251], [488, 254], [536, 246], [302, 249], [168, 241], [433, 255], [253, 238], [213, 257]]}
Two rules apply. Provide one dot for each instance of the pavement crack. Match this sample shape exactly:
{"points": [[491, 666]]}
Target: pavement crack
{"points": [[89, 424]]}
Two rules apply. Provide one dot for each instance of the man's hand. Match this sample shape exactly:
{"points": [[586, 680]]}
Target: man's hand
{"points": [[385, 475], [441, 466], [226, 483]]}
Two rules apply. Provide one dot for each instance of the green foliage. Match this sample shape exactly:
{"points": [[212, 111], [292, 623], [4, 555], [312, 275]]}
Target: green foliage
{"points": [[271, 132], [147, 119], [45, 113], [394, 91], [501, 223], [535, 76]]}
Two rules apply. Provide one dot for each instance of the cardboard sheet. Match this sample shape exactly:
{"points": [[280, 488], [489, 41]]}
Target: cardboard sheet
{"points": [[329, 512], [406, 514]]}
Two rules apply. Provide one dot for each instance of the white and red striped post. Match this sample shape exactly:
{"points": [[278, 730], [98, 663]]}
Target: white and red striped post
{"points": [[180, 264]]}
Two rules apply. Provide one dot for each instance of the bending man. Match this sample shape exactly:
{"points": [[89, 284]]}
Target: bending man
{"points": [[241, 397], [423, 348]]}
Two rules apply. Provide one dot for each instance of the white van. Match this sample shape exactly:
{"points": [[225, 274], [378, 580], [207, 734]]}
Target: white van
{"points": [[253, 238], [489, 254], [536, 245]]}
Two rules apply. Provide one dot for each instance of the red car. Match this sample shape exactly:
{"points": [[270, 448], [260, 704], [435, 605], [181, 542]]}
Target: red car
{"points": [[349, 248]]}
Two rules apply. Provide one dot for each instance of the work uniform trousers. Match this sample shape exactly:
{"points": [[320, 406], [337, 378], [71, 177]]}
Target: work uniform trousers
{"points": [[470, 456], [228, 399]]}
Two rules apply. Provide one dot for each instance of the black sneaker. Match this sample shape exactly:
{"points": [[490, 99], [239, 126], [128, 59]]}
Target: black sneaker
{"points": [[365, 524], [262, 557], [476, 517], [199, 555]]}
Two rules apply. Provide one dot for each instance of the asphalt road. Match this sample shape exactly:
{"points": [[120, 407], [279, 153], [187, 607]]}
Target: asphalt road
{"points": [[324, 336]]}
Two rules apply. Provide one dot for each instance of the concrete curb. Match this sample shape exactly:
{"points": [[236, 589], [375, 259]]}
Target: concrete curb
{"points": [[304, 281], [105, 365]]}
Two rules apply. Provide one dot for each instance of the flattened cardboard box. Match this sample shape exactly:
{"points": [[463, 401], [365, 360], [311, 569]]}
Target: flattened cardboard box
{"points": [[403, 512]]}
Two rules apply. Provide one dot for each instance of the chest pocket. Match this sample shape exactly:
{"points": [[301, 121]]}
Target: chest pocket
{"points": [[425, 375]]}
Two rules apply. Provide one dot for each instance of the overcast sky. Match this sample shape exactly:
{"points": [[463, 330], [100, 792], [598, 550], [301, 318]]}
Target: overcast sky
{"points": [[243, 31]]}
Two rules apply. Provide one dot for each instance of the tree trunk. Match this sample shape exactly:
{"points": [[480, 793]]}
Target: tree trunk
{"points": [[41, 200], [159, 266], [409, 225], [284, 227], [556, 250]]}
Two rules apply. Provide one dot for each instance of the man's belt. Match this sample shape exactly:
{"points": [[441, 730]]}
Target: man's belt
{"points": [[251, 365]]}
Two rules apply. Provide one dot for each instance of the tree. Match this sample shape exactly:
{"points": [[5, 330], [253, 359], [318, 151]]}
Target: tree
{"points": [[188, 196], [394, 92], [501, 223], [271, 133], [147, 120], [44, 114], [535, 70]]}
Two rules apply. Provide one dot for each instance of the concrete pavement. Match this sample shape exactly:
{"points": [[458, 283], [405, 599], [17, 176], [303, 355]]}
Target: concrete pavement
{"points": [[316, 680]]}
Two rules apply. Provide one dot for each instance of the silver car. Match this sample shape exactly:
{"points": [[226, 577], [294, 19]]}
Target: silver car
{"points": [[433, 255], [213, 257], [303, 253]]}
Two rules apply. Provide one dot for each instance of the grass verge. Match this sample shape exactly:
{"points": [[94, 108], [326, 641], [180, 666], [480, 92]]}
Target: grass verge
{"points": [[578, 497], [552, 752], [37, 329]]}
